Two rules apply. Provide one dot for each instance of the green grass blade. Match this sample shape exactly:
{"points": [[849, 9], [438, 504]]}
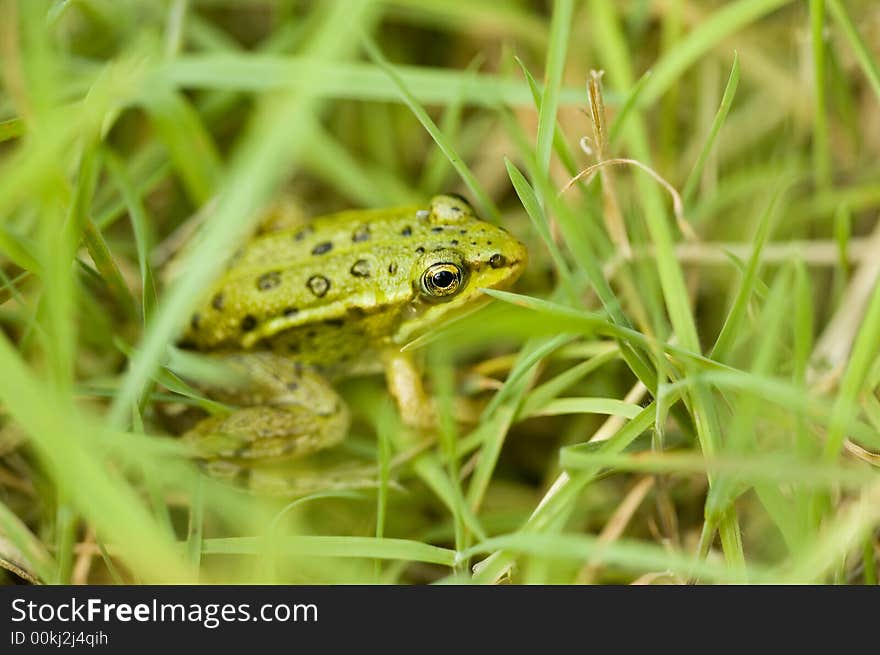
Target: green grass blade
{"points": [[821, 145], [310, 546], [858, 45], [861, 359], [566, 491], [560, 144], [631, 102], [68, 445], [37, 560], [560, 27], [192, 150], [630, 555], [693, 179], [360, 81], [733, 323], [546, 392], [730, 18], [11, 129], [436, 167], [141, 226], [483, 200], [532, 205]]}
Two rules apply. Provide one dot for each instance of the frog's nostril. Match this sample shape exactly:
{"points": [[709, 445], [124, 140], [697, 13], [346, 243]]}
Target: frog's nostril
{"points": [[497, 260]]}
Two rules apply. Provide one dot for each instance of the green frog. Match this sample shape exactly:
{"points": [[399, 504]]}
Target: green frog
{"points": [[302, 306]]}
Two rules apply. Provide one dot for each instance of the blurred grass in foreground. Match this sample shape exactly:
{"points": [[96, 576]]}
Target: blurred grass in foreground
{"points": [[673, 391]]}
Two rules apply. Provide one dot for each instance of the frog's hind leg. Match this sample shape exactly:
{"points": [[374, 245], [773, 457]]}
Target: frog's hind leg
{"points": [[285, 412]]}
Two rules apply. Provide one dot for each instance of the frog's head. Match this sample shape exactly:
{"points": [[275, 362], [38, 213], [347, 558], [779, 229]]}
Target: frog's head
{"points": [[462, 256]]}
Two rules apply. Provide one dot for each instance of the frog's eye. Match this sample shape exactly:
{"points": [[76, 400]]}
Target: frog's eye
{"points": [[442, 281]]}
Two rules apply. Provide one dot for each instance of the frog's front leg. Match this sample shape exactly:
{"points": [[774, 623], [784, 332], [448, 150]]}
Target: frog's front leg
{"points": [[405, 385], [416, 408], [284, 411]]}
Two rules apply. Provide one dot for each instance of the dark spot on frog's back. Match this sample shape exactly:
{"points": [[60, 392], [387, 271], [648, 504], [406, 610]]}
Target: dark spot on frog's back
{"points": [[303, 233], [362, 233], [420, 250], [318, 285], [290, 311], [248, 323], [437, 229], [217, 301], [334, 322], [406, 232], [392, 268], [269, 280], [323, 247], [361, 268]]}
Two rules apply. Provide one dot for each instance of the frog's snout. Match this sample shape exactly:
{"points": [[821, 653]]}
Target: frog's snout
{"points": [[503, 265]]}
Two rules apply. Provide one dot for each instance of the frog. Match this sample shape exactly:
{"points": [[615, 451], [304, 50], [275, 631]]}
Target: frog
{"points": [[303, 306]]}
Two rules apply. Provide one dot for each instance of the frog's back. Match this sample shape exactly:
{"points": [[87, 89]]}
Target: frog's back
{"points": [[335, 286]]}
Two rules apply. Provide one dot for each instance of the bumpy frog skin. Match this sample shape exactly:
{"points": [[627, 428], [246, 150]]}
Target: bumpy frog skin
{"points": [[335, 297]]}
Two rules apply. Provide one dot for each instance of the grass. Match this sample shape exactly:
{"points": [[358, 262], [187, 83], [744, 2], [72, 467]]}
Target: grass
{"points": [[649, 404]]}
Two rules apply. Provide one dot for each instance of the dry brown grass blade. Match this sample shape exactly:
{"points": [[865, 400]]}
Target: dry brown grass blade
{"points": [[677, 206], [614, 222], [616, 525], [834, 344]]}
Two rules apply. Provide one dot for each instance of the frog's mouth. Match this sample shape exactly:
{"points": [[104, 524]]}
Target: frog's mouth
{"points": [[412, 332], [425, 314]]}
